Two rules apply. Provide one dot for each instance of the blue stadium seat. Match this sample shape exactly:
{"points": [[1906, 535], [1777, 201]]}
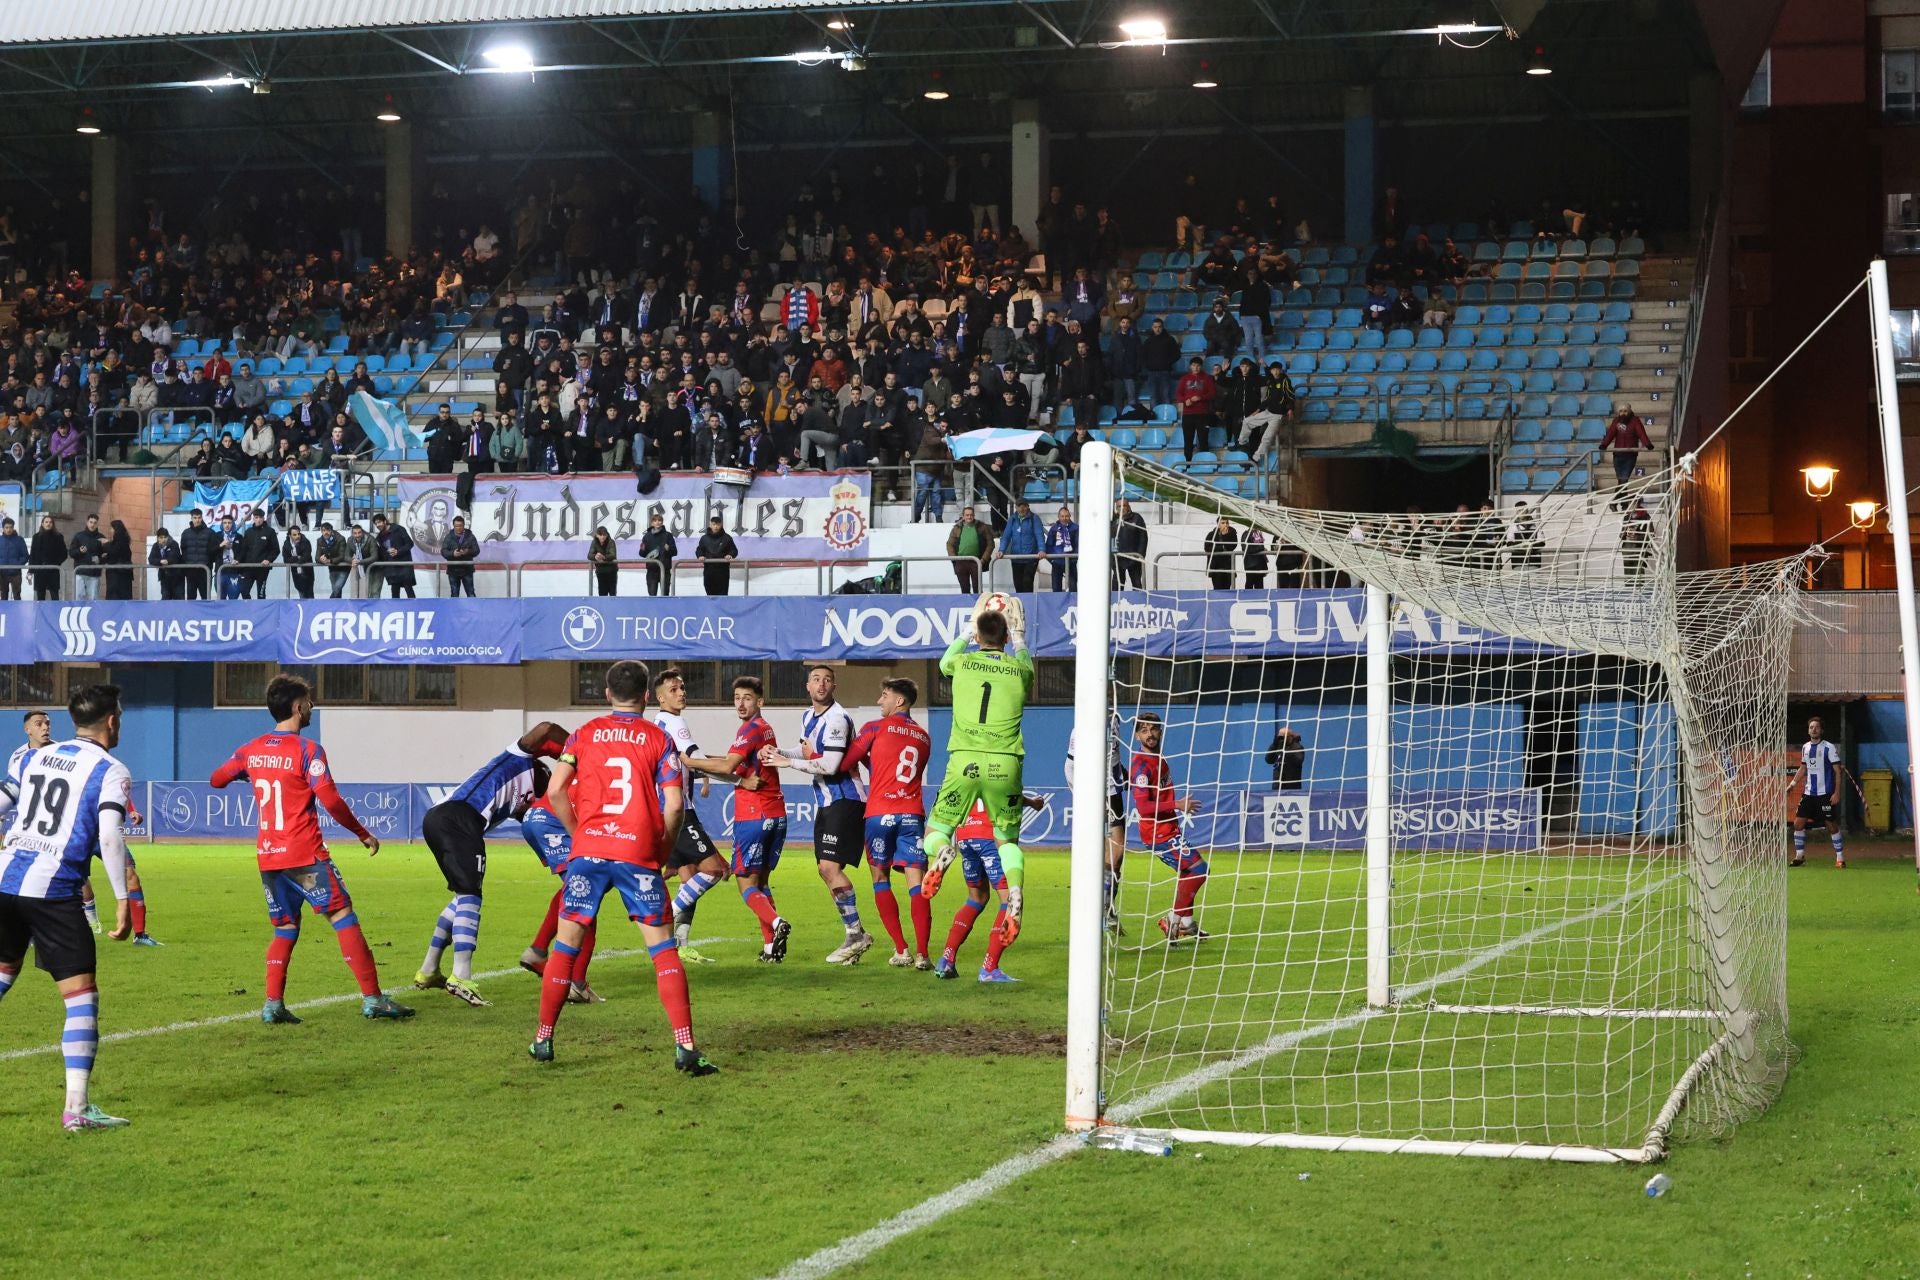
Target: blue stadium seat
{"points": [[1514, 479], [1515, 252], [1599, 271], [1538, 383], [1582, 335], [1597, 406], [1613, 335], [1363, 361], [1470, 407], [1194, 344], [1590, 431], [1626, 269], [1458, 336], [1535, 407], [1334, 362], [1454, 360], [1371, 340], [1570, 380], [1632, 247], [1573, 249], [1474, 291], [1545, 250], [1622, 289], [1603, 380], [1511, 272], [1153, 438], [337, 345], [294, 364], [1402, 339], [1577, 357], [1149, 261], [1393, 361], [1312, 340], [1315, 256], [1424, 362], [1178, 322], [1504, 291], [1409, 410], [1602, 247], [1124, 438], [1523, 335]]}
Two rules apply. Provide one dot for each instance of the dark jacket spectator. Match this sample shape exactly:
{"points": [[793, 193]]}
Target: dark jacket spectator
{"points": [[298, 552], [1129, 547], [87, 548], [1222, 549], [395, 547], [117, 559], [46, 554], [659, 550], [166, 557], [259, 548], [716, 544], [13, 557], [1287, 757], [199, 546]]}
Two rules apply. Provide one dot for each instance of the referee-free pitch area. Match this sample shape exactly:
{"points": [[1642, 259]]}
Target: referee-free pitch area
{"points": [[847, 1097]]}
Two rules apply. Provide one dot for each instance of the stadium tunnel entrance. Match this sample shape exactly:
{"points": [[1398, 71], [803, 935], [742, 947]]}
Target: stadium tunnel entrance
{"points": [[1377, 482]]}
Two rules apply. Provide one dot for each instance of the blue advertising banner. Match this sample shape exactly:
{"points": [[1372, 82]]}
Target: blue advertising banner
{"points": [[1436, 820], [779, 628], [1228, 818], [311, 486], [399, 631]]}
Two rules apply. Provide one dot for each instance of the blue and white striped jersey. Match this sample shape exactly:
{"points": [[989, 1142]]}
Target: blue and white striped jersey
{"points": [[827, 732], [676, 729], [1821, 760], [62, 789], [1116, 767], [503, 787]]}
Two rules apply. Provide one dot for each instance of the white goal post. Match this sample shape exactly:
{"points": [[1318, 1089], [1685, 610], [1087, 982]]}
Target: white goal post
{"points": [[1514, 885]]}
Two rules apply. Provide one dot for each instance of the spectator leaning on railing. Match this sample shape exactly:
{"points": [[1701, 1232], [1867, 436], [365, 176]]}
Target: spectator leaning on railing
{"points": [[13, 558], [1020, 545]]}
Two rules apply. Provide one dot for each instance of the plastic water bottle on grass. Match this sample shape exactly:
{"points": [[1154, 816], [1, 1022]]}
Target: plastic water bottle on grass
{"points": [[1130, 1140], [1658, 1185]]}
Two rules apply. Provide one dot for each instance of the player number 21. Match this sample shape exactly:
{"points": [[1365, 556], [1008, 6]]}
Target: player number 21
{"points": [[268, 790]]}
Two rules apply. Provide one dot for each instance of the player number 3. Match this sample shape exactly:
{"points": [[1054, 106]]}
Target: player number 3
{"points": [[623, 785]]}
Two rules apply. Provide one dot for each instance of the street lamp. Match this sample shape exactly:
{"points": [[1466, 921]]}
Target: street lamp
{"points": [[1863, 513], [1819, 480]]}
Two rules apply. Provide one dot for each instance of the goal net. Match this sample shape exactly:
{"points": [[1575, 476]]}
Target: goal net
{"points": [[1483, 853]]}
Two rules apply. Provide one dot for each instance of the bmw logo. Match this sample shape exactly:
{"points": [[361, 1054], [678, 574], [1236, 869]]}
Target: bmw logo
{"points": [[583, 628]]}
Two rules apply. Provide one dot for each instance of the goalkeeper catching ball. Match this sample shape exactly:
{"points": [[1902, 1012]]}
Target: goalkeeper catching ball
{"points": [[985, 749]]}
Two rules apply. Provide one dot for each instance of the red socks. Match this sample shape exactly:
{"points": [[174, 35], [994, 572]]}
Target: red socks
{"points": [[997, 940], [585, 958], [762, 906], [922, 911], [555, 983], [137, 903], [279, 952], [549, 926], [1185, 892], [353, 945], [672, 981], [889, 913], [962, 926]]}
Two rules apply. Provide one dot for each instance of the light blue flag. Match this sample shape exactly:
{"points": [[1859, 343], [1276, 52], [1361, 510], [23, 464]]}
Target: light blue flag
{"points": [[385, 423]]}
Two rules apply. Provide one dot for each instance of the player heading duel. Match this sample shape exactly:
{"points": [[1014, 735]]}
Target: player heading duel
{"points": [[985, 748], [617, 788]]}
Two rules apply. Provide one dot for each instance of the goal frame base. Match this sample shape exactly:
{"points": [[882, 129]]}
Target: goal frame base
{"points": [[1407, 1146]]}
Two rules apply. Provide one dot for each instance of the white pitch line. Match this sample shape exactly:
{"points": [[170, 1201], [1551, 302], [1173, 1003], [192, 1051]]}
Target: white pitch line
{"points": [[856, 1248], [141, 1033]]}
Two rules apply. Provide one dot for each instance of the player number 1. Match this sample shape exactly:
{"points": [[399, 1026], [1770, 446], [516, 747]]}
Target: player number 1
{"points": [[986, 696], [269, 789]]}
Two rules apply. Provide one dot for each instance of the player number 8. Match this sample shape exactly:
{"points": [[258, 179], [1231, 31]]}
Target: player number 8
{"points": [[909, 765]]}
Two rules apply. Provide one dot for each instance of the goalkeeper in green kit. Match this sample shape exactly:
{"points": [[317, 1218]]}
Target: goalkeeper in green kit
{"points": [[985, 750]]}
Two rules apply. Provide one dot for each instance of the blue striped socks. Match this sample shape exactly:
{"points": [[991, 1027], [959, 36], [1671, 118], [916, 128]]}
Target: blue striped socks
{"points": [[848, 904], [689, 892], [79, 1041], [6, 980], [442, 937], [466, 932]]}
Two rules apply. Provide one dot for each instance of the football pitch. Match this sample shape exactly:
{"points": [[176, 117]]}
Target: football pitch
{"points": [[848, 1098]]}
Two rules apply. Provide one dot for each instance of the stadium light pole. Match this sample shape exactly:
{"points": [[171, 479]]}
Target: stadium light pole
{"points": [[1864, 512], [1893, 458]]}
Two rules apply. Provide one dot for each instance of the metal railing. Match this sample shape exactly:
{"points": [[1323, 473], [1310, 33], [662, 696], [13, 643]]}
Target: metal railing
{"points": [[1710, 224]]}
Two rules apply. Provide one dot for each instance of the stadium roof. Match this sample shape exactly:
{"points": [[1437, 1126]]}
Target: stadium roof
{"points": [[22, 23], [627, 76]]}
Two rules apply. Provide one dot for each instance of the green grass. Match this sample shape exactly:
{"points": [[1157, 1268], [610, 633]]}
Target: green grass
{"points": [[434, 1148]]}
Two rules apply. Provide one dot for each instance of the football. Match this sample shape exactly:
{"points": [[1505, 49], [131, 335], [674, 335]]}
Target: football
{"points": [[1006, 603]]}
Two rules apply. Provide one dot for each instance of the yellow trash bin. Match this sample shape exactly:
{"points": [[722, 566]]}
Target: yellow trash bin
{"points": [[1877, 786]]}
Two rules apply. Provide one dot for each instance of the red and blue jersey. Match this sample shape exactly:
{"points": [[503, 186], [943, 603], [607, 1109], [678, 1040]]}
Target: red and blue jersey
{"points": [[1153, 796], [764, 802], [291, 779], [978, 825], [895, 750], [623, 765]]}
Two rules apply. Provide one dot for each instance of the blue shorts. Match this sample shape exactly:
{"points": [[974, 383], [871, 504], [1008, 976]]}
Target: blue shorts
{"points": [[1177, 855], [317, 884], [548, 839], [757, 844], [588, 880], [893, 840], [980, 864]]}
